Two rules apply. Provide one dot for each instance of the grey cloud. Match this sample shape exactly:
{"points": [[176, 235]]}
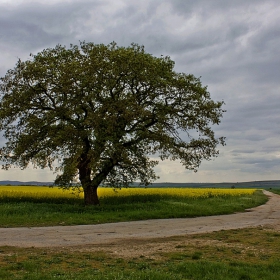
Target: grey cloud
{"points": [[39, 25], [28, 34], [242, 151], [233, 45], [272, 148], [217, 6], [260, 162]]}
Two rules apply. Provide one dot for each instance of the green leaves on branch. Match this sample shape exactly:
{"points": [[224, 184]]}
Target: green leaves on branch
{"points": [[98, 113]]}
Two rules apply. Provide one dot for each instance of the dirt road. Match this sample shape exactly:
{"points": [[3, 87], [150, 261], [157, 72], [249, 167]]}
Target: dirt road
{"points": [[267, 214]]}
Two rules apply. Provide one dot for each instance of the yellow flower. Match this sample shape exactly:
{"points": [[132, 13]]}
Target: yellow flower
{"points": [[46, 192]]}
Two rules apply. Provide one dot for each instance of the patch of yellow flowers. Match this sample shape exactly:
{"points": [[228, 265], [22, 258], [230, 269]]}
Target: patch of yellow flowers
{"points": [[55, 192], [37, 192], [187, 192]]}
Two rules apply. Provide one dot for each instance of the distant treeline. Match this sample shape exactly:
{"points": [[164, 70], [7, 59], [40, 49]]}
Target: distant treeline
{"points": [[253, 184], [19, 183]]}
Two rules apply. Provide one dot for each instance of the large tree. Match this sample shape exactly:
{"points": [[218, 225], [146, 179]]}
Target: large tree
{"points": [[99, 113]]}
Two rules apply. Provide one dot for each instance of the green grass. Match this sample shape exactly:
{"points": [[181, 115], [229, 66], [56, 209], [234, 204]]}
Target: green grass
{"points": [[47, 212], [277, 191], [246, 254]]}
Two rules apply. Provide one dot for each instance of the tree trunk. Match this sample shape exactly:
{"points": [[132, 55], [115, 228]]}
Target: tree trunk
{"points": [[90, 188], [90, 196], [89, 184]]}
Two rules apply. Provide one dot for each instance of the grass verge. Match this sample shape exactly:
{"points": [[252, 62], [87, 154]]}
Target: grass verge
{"points": [[277, 191], [246, 254]]}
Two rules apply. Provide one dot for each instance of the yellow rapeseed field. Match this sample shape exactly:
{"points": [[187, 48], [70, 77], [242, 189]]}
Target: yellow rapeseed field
{"points": [[46, 192], [189, 192], [34, 192]]}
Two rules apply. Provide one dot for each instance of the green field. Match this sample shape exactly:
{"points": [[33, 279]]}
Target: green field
{"points": [[245, 254], [41, 208]]}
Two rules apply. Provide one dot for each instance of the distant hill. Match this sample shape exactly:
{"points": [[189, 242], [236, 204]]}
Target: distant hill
{"points": [[253, 184], [19, 183]]}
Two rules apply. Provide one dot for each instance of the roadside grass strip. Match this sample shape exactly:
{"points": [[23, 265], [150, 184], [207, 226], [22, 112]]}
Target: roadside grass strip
{"points": [[243, 254]]}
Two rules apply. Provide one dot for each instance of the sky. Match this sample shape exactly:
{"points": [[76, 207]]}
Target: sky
{"points": [[234, 46]]}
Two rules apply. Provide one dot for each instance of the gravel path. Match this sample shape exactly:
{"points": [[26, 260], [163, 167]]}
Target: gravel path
{"points": [[267, 214]]}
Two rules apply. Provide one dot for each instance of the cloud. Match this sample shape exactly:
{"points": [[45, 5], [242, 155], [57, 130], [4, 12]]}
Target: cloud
{"points": [[232, 45]]}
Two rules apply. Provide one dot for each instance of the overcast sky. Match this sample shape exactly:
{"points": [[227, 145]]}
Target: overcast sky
{"points": [[234, 46]]}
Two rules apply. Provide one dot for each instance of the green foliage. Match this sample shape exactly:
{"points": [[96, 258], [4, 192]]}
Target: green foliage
{"points": [[102, 111]]}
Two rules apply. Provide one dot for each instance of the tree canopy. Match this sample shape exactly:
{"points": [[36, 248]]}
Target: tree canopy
{"points": [[99, 114]]}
